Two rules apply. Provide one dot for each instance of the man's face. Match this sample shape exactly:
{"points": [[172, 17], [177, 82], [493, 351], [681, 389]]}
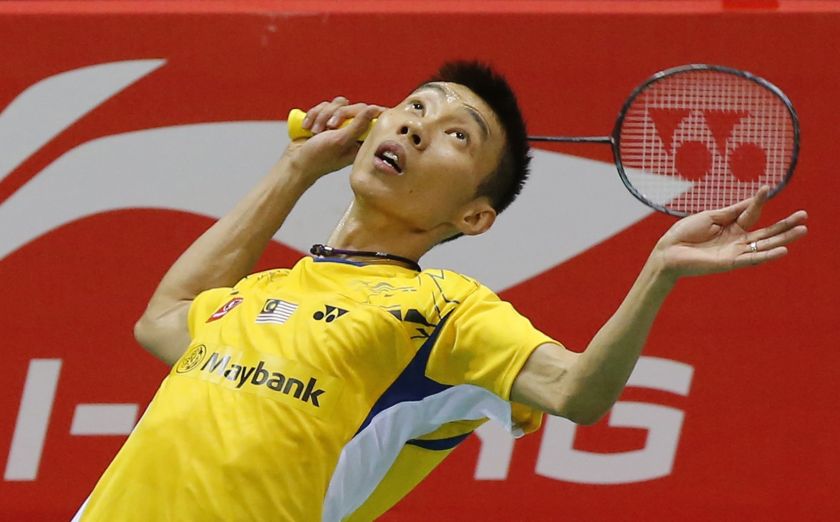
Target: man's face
{"points": [[425, 158]]}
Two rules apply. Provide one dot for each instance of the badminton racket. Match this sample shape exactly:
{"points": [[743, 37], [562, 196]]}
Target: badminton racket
{"points": [[693, 138]]}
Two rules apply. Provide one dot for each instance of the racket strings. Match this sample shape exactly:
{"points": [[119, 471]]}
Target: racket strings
{"points": [[705, 139]]}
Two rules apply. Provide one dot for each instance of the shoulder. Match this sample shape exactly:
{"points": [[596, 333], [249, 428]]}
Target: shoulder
{"points": [[454, 282], [447, 280], [262, 279], [266, 277], [451, 289]]}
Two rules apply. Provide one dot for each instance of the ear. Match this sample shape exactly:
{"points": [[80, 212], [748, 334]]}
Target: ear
{"points": [[476, 218]]}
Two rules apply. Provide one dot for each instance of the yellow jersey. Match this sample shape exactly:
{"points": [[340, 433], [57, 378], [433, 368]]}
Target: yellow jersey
{"points": [[321, 392]]}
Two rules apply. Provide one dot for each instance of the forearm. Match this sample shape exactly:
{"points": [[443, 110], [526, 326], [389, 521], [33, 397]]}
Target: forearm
{"points": [[582, 387], [228, 250], [599, 374]]}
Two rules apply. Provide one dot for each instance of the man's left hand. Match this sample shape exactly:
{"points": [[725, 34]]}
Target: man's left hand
{"points": [[721, 240]]}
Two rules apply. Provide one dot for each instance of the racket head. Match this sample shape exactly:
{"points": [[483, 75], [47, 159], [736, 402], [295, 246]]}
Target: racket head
{"points": [[699, 137]]}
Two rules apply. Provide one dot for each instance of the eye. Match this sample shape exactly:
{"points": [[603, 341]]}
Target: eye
{"points": [[460, 135], [417, 106]]}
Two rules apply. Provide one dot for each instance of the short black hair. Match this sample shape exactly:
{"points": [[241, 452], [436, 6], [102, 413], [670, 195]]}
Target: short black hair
{"points": [[505, 183]]}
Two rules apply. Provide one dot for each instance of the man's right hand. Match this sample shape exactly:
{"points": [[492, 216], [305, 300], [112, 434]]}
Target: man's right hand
{"points": [[333, 147], [230, 248]]}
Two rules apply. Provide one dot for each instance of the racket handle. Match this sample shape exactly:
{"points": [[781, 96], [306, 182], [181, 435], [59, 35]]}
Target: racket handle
{"points": [[296, 130]]}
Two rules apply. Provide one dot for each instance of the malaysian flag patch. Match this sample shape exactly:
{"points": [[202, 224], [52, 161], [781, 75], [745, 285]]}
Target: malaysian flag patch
{"points": [[276, 311]]}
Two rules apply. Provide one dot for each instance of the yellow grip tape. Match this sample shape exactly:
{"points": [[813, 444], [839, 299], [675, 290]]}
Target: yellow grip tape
{"points": [[296, 130]]}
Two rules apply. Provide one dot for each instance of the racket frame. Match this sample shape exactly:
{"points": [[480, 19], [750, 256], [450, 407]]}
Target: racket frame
{"points": [[615, 138]]}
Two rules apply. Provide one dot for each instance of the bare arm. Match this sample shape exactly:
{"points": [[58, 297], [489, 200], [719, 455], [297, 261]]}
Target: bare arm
{"points": [[582, 387], [228, 250], [225, 253]]}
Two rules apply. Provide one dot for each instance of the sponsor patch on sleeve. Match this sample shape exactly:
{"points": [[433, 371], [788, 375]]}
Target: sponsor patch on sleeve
{"points": [[227, 307]]}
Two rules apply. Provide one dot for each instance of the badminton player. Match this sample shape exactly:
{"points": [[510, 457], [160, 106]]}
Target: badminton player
{"points": [[328, 390]]}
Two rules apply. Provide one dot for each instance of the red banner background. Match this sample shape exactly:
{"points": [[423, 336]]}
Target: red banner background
{"points": [[759, 432]]}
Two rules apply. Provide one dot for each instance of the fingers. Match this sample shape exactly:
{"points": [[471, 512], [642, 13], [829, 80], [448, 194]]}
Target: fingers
{"points": [[794, 220], [727, 215], [771, 243], [784, 238], [316, 117], [361, 121], [331, 115], [750, 215], [346, 116], [758, 258]]}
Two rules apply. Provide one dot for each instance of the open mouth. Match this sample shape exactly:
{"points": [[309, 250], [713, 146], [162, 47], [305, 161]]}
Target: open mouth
{"points": [[391, 156]]}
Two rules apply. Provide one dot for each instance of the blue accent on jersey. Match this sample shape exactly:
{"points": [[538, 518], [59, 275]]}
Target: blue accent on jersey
{"points": [[412, 384], [439, 444]]}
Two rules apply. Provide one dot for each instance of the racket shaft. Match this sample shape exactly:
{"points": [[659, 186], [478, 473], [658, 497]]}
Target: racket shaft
{"points": [[572, 139]]}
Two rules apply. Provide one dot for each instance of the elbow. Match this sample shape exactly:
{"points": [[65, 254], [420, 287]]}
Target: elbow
{"points": [[149, 335], [578, 410], [586, 418], [165, 336], [142, 332], [146, 334]]}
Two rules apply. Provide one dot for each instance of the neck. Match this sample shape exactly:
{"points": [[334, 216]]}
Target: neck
{"points": [[365, 229]]}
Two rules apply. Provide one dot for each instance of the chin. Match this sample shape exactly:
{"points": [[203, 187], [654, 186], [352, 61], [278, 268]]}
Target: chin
{"points": [[372, 192], [369, 187]]}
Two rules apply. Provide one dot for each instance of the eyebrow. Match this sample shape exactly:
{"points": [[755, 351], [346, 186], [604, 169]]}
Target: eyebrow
{"points": [[472, 111]]}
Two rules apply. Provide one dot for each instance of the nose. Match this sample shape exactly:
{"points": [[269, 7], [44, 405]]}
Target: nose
{"points": [[414, 131]]}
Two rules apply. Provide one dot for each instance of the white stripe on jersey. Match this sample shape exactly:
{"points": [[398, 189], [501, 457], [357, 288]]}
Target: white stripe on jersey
{"points": [[366, 459]]}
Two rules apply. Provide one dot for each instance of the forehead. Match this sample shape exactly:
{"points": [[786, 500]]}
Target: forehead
{"points": [[456, 95], [451, 92]]}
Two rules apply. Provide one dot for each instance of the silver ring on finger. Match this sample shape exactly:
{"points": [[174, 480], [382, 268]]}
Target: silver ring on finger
{"points": [[753, 247]]}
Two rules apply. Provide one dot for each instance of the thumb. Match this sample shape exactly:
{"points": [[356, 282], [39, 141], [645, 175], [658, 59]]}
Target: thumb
{"points": [[730, 213], [746, 211], [750, 216]]}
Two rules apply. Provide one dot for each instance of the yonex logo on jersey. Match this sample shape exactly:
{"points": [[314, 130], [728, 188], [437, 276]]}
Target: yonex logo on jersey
{"points": [[330, 313], [259, 375], [276, 311]]}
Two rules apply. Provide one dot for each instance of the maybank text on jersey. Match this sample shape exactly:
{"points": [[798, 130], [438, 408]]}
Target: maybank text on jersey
{"points": [[291, 382]]}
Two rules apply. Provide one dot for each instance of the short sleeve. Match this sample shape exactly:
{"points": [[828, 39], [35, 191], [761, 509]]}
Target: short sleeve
{"points": [[212, 301], [485, 342]]}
